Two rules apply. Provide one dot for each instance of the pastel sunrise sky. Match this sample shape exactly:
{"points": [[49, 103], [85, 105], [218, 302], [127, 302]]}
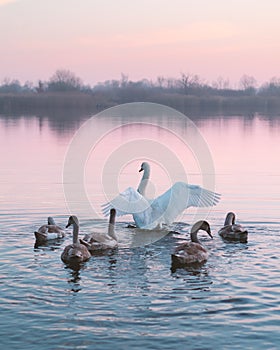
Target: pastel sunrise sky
{"points": [[100, 39]]}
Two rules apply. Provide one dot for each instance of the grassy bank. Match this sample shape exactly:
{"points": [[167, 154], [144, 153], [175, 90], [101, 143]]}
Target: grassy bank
{"points": [[46, 102]]}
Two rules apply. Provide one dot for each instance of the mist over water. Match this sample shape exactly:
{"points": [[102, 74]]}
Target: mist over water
{"points": [[130, 297]]}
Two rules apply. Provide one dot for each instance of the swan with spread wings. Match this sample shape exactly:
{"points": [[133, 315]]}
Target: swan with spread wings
{"points": [[153, 213]]}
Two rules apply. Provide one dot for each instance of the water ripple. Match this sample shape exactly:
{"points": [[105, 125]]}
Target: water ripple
{"points": [[132, 295]]}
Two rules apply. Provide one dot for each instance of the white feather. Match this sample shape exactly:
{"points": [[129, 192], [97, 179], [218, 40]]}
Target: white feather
{"points": [[149, 214]]}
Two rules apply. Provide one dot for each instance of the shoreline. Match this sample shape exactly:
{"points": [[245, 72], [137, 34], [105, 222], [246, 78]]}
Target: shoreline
{"points": [[94, 102]]}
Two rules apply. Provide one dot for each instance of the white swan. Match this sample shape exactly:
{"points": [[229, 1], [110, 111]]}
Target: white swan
{"points": [[49, 232], [232, 231], [97, 241], [151, 214], [192, 252], [75, 252]]}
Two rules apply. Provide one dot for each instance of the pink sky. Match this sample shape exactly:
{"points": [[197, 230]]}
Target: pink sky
{"points": [[99, 40]]}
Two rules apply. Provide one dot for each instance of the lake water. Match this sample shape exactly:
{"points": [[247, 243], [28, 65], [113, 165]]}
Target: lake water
{"points": [[130, 298]]}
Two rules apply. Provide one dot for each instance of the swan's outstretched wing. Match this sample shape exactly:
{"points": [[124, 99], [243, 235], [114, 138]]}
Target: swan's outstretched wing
{"points": [[127, 202], [149, 214], [182, 196]]}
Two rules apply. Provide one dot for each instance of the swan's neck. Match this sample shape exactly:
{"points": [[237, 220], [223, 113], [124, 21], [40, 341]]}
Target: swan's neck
{"points": [[230, 219], [144, 181], [75, 233], [111, 228]]}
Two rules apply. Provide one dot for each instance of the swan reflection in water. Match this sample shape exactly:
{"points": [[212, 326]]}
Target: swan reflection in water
{"points": [[101, 261], [74, 280], [53, 244]]}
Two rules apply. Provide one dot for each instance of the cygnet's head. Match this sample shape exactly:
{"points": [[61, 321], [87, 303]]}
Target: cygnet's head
{"points": [[202, 225], [73, 220]]}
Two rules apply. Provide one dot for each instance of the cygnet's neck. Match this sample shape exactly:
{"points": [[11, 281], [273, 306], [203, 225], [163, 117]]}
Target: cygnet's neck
{"points": [[194, 236], [230, 219], [75, 233], [200, 225]]}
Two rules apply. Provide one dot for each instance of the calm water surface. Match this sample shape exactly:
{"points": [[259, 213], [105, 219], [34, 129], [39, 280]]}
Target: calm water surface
{"points": [[130, 298]]}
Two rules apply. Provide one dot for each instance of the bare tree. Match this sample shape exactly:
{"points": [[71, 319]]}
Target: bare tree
{"points": [[160, 81], [247, 82], [221, 83], [190, 81], [172, 83], [275, 81], [124, 80], [41, 87], [271, 88], [64, 80], [10, 85]]}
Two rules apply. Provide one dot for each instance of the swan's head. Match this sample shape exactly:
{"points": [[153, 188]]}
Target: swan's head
{"points": [[73, 220], [144, 166], [202, 225]]}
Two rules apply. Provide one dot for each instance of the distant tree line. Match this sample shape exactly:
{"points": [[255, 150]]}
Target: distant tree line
{"points": [[188, 89], [64, 80]]}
